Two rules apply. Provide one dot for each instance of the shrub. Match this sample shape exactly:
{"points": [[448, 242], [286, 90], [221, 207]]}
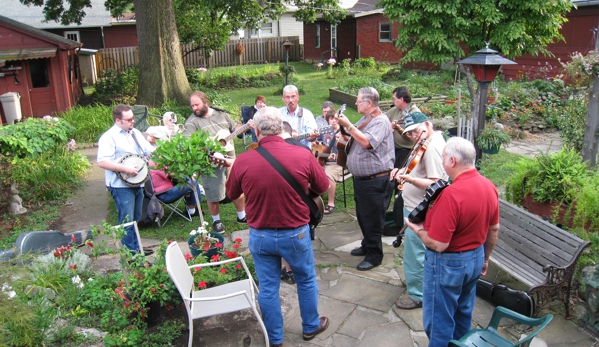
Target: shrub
{"points": [[365, 63], [572, 122], [34, 137], [117, 86]]}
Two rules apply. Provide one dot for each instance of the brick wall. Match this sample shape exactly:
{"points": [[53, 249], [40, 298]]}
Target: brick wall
{"points": [[367, 37]]}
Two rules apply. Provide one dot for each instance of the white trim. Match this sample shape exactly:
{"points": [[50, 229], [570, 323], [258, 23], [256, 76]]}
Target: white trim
{"points": [[72, 32]]}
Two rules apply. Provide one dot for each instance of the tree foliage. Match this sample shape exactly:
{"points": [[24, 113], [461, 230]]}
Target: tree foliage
{"points": [[437, 30], [209, 23]]}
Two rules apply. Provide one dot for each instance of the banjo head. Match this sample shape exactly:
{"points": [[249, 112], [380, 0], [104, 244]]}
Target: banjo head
{"points": [[140, 164]]}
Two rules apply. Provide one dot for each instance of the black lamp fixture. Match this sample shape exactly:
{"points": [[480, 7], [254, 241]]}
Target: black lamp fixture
{"points": [[484, 64]]}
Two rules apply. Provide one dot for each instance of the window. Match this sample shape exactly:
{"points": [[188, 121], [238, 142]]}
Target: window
{"points": [[317, 35], [266, 29], [385, 32], [333, 36], [38, 69], [72, 35]]}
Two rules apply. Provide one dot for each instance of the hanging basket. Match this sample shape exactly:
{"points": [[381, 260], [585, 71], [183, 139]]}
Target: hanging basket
{"points": [[240, 49]]}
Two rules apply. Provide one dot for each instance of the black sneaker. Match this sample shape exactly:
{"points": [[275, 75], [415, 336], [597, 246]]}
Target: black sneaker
{"points": [[243, 220], [287, 276], [218, 227]]}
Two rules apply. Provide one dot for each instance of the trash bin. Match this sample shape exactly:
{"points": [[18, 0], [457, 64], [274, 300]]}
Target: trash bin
{"points": [[11, 102]]}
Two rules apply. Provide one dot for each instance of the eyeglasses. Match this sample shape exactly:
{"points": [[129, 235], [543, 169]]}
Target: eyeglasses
{"points": [[359, 102], [413, 132], [127, 120]]}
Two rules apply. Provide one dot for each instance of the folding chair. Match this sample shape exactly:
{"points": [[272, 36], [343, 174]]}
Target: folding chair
{"points": [[140, 114], [249, 136], [229, 297], [173, 206], [490, 335], [346, 175]]}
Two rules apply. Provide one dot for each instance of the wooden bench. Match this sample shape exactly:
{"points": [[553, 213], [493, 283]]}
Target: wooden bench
{"points": [[538, 254]]}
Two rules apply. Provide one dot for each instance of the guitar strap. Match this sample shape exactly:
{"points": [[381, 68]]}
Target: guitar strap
{"points": [[315, 215], [135, 139]]}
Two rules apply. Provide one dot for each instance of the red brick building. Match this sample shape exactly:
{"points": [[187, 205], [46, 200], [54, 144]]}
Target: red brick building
{"points": [[366, 32]]}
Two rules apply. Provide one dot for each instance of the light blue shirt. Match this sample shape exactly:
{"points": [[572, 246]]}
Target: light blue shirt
{"points": [[116, 143], [307, 124]]}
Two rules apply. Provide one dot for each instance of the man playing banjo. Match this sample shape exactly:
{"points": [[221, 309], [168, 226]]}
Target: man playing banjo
{"points": [[121, 153]]}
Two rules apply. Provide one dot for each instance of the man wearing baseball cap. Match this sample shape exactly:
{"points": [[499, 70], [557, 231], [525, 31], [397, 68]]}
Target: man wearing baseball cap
{"points": [[428, 170]]}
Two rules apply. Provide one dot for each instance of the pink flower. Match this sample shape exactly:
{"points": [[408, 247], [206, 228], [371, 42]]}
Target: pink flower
{"points": [[202, 285], [218, 245], [223, 271], [238, 240], [215, 257], [188, 256], [73, 240], [238, 266]]}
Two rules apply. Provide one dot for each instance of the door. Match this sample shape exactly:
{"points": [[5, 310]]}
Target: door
{"points": [[41, 91]]}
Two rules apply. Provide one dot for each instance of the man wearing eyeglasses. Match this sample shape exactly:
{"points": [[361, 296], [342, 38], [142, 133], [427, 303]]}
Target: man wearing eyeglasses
{"points": [[370, 160], [428, 170], [118, 141]]}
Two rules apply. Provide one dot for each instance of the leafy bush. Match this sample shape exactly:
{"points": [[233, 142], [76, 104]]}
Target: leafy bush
{"points": [[365, 63], [34, 137], [118, 86], [572, 121], [266, 75]]}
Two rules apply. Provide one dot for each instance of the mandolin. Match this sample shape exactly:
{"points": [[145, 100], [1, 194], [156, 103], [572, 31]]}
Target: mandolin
{"points": [[418, 215]]}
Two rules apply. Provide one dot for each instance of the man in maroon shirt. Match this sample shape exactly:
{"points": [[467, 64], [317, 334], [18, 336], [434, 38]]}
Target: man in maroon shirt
{"points": [[459, 232], [278, 220]]}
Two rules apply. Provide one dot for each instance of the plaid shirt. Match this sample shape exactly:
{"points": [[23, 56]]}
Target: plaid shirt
{"points": [[380, 156]]}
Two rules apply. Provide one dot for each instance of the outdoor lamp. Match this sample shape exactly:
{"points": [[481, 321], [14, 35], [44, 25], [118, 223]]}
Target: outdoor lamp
{"points": [[287, 46], [484, 64]]}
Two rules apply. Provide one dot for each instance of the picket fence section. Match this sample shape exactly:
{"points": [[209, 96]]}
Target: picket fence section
{"points": [[255, 51]]}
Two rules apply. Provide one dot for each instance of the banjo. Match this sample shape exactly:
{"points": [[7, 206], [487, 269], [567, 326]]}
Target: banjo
{"points": [[140, 163]]}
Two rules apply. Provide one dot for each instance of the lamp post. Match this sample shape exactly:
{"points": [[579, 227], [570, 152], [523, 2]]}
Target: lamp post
{"points": [[287, 45], [484, 64]]}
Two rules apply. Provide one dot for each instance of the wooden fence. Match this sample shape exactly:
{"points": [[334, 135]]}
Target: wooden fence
{"points": [[255, 51]]}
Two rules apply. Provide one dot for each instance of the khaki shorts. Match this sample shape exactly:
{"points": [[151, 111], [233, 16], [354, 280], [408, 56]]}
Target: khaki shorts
{"points": [[214, 187], [333, 171]]}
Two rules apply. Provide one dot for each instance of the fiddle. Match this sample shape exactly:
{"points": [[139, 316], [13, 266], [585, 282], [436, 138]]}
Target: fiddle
{"points": [[411, 162]]}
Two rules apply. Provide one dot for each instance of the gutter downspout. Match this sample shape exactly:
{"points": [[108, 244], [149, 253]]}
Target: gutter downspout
{"points": [[103, 41]]}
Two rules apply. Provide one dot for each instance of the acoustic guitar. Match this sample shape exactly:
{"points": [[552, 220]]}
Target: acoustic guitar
{"points": [[224, 136], [324, 130]]}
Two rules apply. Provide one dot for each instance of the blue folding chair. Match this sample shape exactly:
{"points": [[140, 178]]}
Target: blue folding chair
{"points": [[249, 136]]}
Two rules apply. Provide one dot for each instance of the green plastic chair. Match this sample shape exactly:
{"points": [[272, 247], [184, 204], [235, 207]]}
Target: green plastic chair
{"points": [[490, 336]]}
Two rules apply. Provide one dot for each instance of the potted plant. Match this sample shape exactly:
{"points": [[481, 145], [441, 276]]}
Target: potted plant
{"points": [[212, 276], [202, 241], [549, 185], [490, 139]]}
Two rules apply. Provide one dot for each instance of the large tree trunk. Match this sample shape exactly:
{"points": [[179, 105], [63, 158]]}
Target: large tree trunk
{"points": [[161, 70]]}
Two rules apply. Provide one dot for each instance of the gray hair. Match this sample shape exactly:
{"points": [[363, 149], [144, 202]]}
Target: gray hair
{"points": [[461, 149], [268, 120], [369, 93], [290, 89], [327, 104]]}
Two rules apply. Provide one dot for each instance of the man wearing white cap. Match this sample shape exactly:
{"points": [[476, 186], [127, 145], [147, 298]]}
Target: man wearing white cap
{"points": [[429, 170]]}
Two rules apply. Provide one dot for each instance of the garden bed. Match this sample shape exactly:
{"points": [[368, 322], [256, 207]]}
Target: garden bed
{"points": [[340, 97]]}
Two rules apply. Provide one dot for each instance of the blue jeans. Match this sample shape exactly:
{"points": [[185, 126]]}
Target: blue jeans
{"points": [[178, 191], [449, 294], [128, 203], [268, 246], [413, 261]]}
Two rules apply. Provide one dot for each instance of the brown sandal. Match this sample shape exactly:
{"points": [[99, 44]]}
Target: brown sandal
{"points": [[328, 209]]}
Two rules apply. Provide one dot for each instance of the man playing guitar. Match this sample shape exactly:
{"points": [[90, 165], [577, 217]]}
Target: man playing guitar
{"points": [[301, 119], [205, 118], [332, 170]]}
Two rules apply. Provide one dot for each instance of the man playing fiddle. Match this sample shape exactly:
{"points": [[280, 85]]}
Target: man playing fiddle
{"points": [[427, 171]]}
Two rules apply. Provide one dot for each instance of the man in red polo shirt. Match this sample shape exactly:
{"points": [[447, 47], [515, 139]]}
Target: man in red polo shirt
{"points": [[460, 232], [278, 220]]}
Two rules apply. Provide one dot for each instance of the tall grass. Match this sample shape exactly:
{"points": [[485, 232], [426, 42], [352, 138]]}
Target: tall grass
{"points": [[90, 121]]}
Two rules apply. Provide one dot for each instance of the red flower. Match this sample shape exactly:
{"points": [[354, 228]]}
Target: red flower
{"points": [[215, 257], [161, 285], [198, 269], [89, 244], [218, 245], [99, 231], [238, 266], [73, 238], [153, 290], [74, 266], [238, 240], [202, 285], [188, 256], [223, 271], [236, 245], [121, 283]]}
